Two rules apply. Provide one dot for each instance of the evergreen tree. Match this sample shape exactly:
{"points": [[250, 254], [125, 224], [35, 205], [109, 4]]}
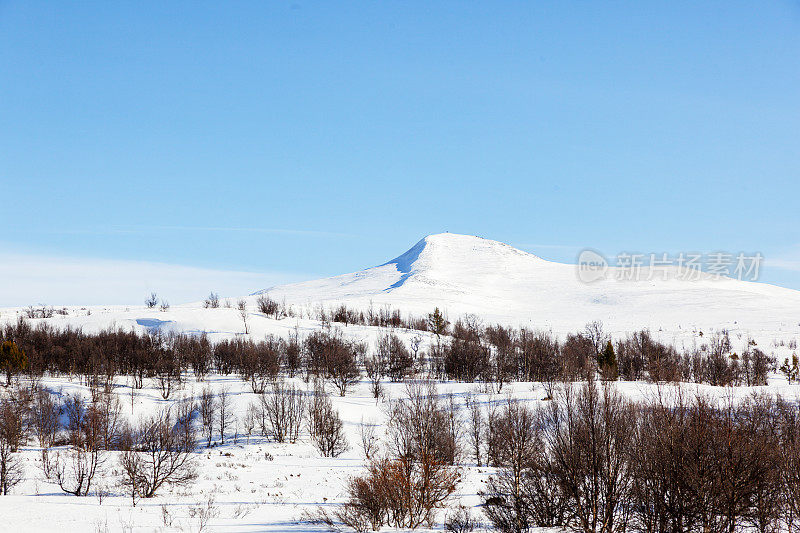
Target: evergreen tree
{"points": [[437, 322], [607, 361], [791, 371]]}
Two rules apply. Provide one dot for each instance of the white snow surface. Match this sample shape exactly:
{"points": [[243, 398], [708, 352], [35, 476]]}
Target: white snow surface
{"points": [[465, 274]]}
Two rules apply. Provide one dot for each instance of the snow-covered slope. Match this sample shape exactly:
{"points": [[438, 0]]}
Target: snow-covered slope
{"points": [[466, 274], [463, 274]]}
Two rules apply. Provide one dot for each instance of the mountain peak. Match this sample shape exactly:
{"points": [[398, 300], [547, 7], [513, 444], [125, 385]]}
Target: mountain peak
{"points": [[448, 257], [469, 274], [453, 247]]}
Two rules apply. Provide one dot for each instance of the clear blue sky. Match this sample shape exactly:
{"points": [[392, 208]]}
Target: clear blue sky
{"points": [[319, 138]]}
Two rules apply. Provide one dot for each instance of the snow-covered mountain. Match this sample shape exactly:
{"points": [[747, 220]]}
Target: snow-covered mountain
{"points": [[462, 274], [466, 274]]}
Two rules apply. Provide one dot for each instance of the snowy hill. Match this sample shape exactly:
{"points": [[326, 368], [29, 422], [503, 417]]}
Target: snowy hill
{"points": [[463, 274], [466, 274]]}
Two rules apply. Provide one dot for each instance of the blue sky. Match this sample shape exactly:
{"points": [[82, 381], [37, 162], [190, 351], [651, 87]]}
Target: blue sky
{"points": [[304, 139]]}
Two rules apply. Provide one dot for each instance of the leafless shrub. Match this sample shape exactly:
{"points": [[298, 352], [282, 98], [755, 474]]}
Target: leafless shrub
{"points": [[399, 363], [399, 493], [515, 440], [73, 468], [375, 367], [594, 332], [282, 412], [590, 433], [132, 467], [416, 423], [331, 356], [466, 355], [207, 405], [203, 514], [12, 470], [268, 306], [250, 419], [107, 411], [225, 414], [241, 306], [151, 300], [525, 491], [460, 520], [259, 362], [212, 301], [503, 359], [325, 426], [39, 312], [369, 441], [13, 422], [578, 357], [475, 428], [168, 366], [163, 453]]}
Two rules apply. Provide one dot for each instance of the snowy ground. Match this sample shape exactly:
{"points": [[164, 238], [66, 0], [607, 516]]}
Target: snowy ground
{"points": [[256, 484], [252, 484]]}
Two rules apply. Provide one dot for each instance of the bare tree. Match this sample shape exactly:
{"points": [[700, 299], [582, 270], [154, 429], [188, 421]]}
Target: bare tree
{"points": [[594, 332], [514, 445], [399, 361], [416, 343], [369, 441], [13, 422], [419, 426], [225, 415], [375, 367], [250, 420], [241, 305], [328, 354], [476, 427], [268, 306], [12, 471], [132, 468], [164, 455], [11, 468], [212, 301], [283, 408], [108, 411], [151, 301], [589, 435], [207, 406], [400, 493], [325, 425], [73, 469]]}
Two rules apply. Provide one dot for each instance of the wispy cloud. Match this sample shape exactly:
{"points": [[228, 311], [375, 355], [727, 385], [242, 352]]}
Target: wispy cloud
{"points": [[141, 229], [561, 247], [788, 259], [27, 279], [275, 231]]}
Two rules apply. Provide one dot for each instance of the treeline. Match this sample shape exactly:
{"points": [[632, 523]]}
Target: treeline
{"points": [[469, 351], [167, 357], [464, 351], [500, 354], [592, 461]]}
